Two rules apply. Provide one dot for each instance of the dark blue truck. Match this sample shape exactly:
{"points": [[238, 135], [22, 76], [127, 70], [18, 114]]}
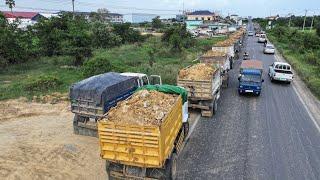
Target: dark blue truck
{"points": [[93, 97], [250, 77]]}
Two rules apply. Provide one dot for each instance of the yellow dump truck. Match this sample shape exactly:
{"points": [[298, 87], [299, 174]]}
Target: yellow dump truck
{"points": [[203, 93], [136, 151]]}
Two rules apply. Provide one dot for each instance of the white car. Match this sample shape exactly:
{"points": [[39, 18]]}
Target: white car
{"points": [[280, 71], [250, 33], [257, 34], [262, 38], [269, 49]]}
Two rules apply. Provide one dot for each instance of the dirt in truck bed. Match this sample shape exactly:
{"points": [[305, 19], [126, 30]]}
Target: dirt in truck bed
{"points": [[143, 108], [37, 142], [198, 71]]}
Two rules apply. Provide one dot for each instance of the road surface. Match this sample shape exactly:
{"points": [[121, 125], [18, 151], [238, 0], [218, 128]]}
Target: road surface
{"points": [[266, 137]]}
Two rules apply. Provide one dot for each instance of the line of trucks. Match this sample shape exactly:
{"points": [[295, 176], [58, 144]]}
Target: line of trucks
{"points": [[142, 124]]}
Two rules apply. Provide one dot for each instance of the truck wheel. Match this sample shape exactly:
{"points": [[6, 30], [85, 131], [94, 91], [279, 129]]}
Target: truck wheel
{"points": [[171, 168], [75, 124], [214, 107], [186, 129]]}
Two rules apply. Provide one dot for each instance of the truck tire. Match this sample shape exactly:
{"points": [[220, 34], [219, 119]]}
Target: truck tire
{"points": [[171, 168], [78, 130], [214, 107], [75, 124], [186, 129]]}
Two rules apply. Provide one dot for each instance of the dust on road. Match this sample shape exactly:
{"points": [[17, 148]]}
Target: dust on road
{"points": [[37, 142]]}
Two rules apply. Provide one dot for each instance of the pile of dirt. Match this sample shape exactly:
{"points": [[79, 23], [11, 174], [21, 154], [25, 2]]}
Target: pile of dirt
{"points": [[225, 43], [198, 71], [214, 54], [143, 108]]}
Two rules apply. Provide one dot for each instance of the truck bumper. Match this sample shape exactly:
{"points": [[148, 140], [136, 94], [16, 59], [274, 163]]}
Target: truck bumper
{"points": [[282, 79], [252, 91]]}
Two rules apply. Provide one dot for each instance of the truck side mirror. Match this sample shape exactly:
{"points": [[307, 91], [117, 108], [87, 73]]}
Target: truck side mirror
{"points": [[262, 80]]}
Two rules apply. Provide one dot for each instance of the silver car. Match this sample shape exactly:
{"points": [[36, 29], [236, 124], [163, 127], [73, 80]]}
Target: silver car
{"points": [[250, 33], [269, 49]]}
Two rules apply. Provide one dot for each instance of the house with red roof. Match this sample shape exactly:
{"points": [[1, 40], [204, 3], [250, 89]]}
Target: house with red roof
{"points": [[25, 18]]}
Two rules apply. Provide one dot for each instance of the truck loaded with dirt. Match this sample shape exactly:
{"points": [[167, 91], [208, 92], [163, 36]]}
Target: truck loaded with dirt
{"points": [[142, 136], [203, 83], [221, 59]]}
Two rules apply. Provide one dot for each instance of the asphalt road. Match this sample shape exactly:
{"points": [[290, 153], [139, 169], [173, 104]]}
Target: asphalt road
{"points": [[267, 137]]}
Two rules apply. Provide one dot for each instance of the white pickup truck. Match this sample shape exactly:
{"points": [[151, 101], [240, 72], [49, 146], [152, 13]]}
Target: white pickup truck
{"points": [[280, 71]]}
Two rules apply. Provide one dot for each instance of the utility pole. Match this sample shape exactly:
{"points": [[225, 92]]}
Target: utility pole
{"points": [[73, 8], [312, 23], [304, 21]]}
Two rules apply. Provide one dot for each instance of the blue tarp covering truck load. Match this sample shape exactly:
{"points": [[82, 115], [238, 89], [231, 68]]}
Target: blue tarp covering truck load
{"points": [[250, 77], [93, 97]]}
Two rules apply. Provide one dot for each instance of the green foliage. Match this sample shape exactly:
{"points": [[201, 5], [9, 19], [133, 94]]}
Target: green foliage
{"points": [[14, 43], [156, 23], [318, 29], [103, 37], [178, 38], [127, 34], [302, 50], [96, 65], [10, 4], [42, 83]]}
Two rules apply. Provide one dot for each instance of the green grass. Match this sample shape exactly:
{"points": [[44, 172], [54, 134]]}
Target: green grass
{"points": [[308, 72], [15, 79]]}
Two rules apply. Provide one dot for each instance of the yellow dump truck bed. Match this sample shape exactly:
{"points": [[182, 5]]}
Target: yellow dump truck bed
{"points": [[142, 146]]}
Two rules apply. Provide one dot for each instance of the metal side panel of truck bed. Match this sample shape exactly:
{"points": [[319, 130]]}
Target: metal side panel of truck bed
{"points": [[141, 146]]}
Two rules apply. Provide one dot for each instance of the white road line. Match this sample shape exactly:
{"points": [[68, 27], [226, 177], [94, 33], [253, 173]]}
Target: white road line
{"points": [[277, 57], [193, 126]]}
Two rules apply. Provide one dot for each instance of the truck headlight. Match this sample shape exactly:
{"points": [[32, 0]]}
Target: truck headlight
{"points": [[258, 87], [241, 86]]}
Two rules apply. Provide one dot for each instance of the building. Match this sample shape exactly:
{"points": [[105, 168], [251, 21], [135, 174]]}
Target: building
{"points": [[49, 15], [25, 18], [139, 17], [181, 17], [106, 17], [193, 24], [236, 19], [115, 18], [202, 16]]}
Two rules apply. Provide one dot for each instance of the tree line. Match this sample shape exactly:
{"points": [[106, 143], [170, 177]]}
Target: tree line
{"points": [[61, 35]]}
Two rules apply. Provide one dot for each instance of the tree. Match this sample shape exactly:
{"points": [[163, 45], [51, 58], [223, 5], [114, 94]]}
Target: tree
{"points": [[103, 37], [78, 43], [127, 34], [178, 38], [11, 4], [156, 22], [13, 43]]}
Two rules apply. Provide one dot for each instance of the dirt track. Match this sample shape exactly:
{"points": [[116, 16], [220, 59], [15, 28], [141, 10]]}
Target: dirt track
{"points": [[37, 142]]}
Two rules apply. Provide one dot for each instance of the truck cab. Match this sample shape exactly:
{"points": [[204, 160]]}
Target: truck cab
{"points": [[250, 81], [143, 79]]}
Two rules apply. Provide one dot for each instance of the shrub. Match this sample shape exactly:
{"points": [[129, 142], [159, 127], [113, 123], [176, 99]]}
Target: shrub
{"points": [[318, 29], [103, 37], [96, 65], [43, 83]]}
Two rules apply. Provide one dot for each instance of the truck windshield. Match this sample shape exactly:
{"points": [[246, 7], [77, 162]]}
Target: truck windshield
{"points": [[250, 78]]}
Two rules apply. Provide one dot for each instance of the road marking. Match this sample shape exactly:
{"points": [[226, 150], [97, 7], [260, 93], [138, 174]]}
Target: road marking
{"points": [[193, 126], [279, 59]]}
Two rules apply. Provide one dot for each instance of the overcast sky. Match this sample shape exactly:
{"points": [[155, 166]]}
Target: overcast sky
{"points": [[167, 8]]}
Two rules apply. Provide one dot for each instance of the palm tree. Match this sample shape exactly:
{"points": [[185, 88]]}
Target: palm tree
{"points": [[11, 4]]}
